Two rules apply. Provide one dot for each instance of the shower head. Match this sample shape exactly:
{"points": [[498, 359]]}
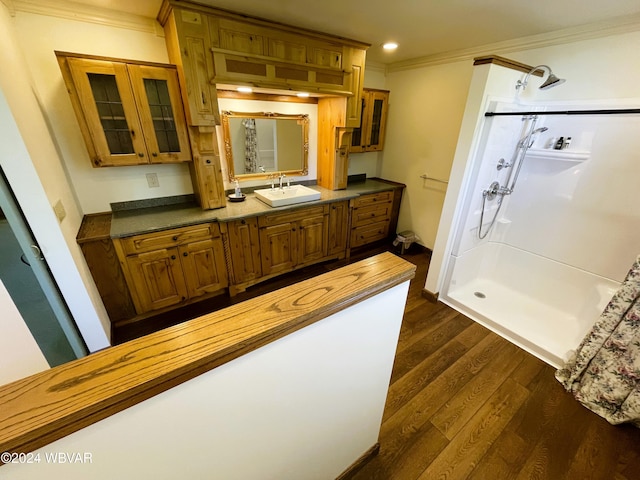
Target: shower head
{"points": [[550, 82]]}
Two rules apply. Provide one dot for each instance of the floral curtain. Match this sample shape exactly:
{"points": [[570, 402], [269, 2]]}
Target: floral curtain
{"points": [[604, 373], [250, 146]]}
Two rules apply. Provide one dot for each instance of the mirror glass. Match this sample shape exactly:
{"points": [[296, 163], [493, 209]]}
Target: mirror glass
{"points": [[259, 144]]}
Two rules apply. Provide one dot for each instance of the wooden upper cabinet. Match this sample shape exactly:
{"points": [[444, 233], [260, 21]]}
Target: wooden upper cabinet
{"points": [[369, 137], [355, 79], [251, 50], [189, 47], [129, 113]]}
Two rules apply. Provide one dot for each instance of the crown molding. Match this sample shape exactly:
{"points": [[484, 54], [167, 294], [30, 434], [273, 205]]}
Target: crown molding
{"points": [[616, 26], [76, 11], [9, 5], [375, 66]]}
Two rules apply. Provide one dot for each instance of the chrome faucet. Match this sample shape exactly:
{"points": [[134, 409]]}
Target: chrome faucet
{"points": [[281, 177]]}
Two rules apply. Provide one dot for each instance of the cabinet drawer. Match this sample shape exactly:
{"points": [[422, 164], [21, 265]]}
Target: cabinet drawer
{"points": [[369, 233], [292, 216], [372, 214], [169, 238], [373, 199]]}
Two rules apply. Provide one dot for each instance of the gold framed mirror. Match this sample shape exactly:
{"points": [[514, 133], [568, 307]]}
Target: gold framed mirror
{"points": [[260, 144]]}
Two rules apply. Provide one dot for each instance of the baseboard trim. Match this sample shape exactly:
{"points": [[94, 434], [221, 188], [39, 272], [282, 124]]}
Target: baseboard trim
{"points": [[429, 295], [359, 463]]}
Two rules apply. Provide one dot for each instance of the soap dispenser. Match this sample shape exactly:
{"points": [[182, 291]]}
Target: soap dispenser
{"points": [[237, 196]]}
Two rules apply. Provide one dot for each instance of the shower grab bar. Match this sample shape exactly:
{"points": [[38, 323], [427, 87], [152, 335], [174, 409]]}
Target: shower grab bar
{"points": [[427, 177]]}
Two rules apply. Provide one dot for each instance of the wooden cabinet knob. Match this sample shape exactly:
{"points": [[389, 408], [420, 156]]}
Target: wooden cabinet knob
{"points": [[155, 154], [140, 154]]}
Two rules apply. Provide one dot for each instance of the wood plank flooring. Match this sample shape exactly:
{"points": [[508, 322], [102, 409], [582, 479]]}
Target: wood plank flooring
{"points": [[466, 404]]}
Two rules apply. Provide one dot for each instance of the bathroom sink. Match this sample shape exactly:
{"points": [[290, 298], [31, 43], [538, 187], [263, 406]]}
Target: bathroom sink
{"points": [[287, 195]]}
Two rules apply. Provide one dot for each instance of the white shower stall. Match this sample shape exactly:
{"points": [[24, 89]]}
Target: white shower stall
{"points": [[562, 240]]}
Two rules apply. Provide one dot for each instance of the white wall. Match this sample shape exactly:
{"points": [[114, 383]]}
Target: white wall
{"points": [[39, 36], [304, 407], [20, 355], [34, 171], [422, 132]]}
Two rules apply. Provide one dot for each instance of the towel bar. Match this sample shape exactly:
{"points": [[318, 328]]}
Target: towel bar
{"points": [[427, 177]]}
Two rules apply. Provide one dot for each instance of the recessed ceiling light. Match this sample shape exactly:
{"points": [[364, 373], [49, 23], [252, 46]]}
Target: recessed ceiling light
{"points": [[389, 46], [244, 89], [302, 94]]}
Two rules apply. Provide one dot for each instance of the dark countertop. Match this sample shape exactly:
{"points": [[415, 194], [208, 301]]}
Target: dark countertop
{"points": [[136, 221]]}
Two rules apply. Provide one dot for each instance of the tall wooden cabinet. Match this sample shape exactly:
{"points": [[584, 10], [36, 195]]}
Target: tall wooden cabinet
{"points": [[129, 113]]}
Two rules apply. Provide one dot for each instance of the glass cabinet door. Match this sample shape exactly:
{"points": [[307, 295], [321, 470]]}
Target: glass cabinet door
{"points": [[132, 113], [161, 113], [378, 107], [370, 136], [107, 101]]}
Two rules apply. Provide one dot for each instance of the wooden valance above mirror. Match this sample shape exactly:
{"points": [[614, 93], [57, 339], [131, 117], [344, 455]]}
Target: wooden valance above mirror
{"points": [[261, 144]]}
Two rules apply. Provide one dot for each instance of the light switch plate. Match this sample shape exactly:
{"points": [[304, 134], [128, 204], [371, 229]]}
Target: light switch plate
{"points": [[58, 208], [152, 180]]}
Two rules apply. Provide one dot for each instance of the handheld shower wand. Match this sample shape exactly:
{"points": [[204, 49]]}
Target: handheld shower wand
{"points": [[521, 150]]}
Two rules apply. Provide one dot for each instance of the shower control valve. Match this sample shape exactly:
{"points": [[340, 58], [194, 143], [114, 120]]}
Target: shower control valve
{"points": [[494, 190], [502, 163]]}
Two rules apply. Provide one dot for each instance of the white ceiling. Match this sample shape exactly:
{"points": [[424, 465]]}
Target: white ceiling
{"points": [[422, 28]]}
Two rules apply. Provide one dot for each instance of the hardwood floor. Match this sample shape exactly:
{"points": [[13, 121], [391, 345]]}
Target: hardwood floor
{"points": [[466, 404]]}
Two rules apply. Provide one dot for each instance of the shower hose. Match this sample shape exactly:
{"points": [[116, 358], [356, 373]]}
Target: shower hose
{"points": [[485, 194]]}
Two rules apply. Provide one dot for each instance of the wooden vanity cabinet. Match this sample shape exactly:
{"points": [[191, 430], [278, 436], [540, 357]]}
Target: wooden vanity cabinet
{"points": [[129, 113], [369, 136], [292, 239], [370, 218], [171, 267], [244, 246], [338, 230]]}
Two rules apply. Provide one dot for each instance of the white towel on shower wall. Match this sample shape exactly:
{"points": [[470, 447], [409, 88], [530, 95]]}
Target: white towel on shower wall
{"points": [[604, 373]]}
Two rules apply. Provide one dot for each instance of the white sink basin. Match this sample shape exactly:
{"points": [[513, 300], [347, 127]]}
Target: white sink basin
{"points": [[287, 196]]}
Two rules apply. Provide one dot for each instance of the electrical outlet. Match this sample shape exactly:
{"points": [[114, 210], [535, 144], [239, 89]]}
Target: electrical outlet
{"points": [[59, 210], [152, 180]]}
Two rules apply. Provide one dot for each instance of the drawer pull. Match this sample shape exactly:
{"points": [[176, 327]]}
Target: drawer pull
{"points": [[185, 254], [243, 222], [175, 238], [173, 257]]}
